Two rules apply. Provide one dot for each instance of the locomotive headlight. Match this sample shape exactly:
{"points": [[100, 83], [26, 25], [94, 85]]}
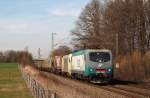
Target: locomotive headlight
{"points": [[109, 70], [91, 70]]}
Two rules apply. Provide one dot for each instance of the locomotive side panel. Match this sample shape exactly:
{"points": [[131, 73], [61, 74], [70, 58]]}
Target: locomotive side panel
{"points": [[78, 62]]}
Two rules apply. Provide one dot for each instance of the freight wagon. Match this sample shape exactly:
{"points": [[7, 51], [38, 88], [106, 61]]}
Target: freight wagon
{"points": [[67, 65]]}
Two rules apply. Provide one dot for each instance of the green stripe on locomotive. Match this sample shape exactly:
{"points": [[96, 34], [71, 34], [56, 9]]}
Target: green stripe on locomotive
{"points": [[89, 71]]}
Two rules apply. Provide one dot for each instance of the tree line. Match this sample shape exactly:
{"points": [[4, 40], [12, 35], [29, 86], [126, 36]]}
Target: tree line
{"points": [[122, 26], [12, 56]]}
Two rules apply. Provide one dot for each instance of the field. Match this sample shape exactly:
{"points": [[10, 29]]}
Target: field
{"points": [[11, 83]]}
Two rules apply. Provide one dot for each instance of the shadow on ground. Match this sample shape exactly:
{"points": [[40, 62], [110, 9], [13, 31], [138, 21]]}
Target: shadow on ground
{"points": [[119, 82]]}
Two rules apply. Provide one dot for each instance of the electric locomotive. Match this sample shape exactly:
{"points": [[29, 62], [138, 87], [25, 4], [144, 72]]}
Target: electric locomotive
{"points": [[95, 65]]}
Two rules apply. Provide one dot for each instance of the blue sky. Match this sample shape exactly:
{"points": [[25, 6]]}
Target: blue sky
{"points": [[30, 23]]}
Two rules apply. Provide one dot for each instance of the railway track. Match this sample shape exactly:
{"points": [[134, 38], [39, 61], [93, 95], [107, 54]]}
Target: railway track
{"points": [[126, 90], [129, 91], [142, 86]]}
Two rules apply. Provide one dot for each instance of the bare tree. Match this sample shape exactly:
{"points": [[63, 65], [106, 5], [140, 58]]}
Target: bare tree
{"points": [[120, 25], [88, 32], [12, 56], [61, 51], [128, 19], [147, 12]]}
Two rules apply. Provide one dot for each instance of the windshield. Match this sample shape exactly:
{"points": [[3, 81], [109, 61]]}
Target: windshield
{"points": [[99, 57]]}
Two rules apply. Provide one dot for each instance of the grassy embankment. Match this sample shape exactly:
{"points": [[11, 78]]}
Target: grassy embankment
{"points": [[11, 83]]}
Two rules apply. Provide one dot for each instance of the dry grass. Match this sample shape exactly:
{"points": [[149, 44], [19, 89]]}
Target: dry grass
{"points": [[133, 67], [66, 88]]}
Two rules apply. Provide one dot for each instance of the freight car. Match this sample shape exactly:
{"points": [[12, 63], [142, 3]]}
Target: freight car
{"points": [[90, 64], [67, 65], [55, 64]]}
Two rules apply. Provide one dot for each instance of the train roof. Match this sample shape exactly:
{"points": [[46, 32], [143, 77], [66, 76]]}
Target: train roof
{"points": [[103, 50], [82, 50]]}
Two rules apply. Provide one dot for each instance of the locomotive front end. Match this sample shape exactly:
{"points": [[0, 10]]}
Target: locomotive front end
{"points": [[99, 66]]}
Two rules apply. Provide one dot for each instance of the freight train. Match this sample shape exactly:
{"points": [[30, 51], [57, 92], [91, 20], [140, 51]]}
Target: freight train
{"points": [[91, 64]]}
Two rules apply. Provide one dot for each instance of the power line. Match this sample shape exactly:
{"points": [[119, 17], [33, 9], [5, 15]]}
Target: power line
{"points": [[39, 53], [26, 48]]}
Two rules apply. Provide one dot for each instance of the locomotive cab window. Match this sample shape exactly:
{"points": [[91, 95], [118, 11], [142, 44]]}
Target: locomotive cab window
{"points": [[99, 56]]}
